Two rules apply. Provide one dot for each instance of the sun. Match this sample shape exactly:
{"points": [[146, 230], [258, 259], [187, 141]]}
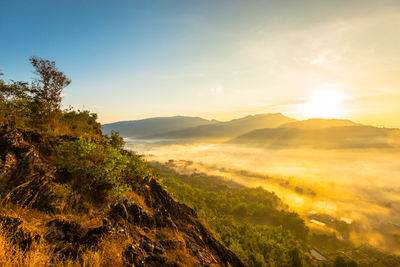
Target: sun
{"points": [[324, 104]]}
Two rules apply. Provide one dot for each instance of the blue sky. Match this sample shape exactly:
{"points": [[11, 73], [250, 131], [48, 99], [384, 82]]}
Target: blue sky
{"points": [[218, 59]]}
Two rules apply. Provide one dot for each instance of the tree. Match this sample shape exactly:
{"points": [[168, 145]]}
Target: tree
{"points": [[116, 140], [46, 91], [14, 99]]}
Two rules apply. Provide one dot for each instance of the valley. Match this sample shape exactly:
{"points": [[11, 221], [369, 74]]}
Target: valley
{"points": [[342, 191]]}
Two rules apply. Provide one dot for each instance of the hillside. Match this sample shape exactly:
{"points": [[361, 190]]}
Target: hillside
{"points": [[71, 196], [225, 206], [260, 228], [300, 136], [46, 202], [153, 126], [229, 129]]}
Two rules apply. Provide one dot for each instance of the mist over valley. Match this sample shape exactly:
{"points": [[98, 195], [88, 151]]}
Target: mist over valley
{"points": [[325, 169]]}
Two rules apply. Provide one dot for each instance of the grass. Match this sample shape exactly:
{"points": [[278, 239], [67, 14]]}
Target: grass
{"points": [[41, 254], [11, 255]]}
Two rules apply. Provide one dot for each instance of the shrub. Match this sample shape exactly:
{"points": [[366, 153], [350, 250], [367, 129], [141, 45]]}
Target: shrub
{"points": [[81, 123], [98, 170], [116, 140]]}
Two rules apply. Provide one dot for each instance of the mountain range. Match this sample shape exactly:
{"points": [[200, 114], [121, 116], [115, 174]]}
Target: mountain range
{"points": [[228, 129], [272, 130], [154, 126]]}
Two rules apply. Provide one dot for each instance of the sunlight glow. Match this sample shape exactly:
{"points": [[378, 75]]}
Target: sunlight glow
{"points": [[324, 104]]}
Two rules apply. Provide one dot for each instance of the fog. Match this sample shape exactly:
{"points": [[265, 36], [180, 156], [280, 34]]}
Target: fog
{"points": [[359, 187]]}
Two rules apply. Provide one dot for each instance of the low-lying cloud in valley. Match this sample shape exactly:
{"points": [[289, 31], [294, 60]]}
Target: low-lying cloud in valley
{"points": [[358, 187]]}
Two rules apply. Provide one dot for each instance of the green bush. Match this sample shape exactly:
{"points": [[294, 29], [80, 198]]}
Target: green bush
{"points": [[98, 170], [116, 140]]}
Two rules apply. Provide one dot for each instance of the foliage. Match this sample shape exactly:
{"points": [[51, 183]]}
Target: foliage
{"points": [[45, 98], [258, 245], [255, 224], [46, 91], [37, 106], [116, 140], [257, 205], [81, 123], [99, 169], [14, 103], [252, 222]]}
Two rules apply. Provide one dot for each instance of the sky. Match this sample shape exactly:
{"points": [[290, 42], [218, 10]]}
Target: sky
{"points": [[215, 59]]}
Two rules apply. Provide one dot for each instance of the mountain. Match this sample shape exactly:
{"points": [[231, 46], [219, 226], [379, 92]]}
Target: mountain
{"points": [[229, 129], [298, 135], [153, 126], [48, 218], [319, 124]]}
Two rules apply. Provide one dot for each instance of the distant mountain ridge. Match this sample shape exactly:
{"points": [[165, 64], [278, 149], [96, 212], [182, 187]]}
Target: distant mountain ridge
{"points": [[319, 123], [336, 137], [180, 127], [228, 129], [272, 130], [153, 126]]}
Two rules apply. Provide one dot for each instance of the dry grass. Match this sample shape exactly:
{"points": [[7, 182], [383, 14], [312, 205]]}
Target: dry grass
{"points": [[181, 255], [41, 255], [34, 220], [11, 255], [139, 200]]}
